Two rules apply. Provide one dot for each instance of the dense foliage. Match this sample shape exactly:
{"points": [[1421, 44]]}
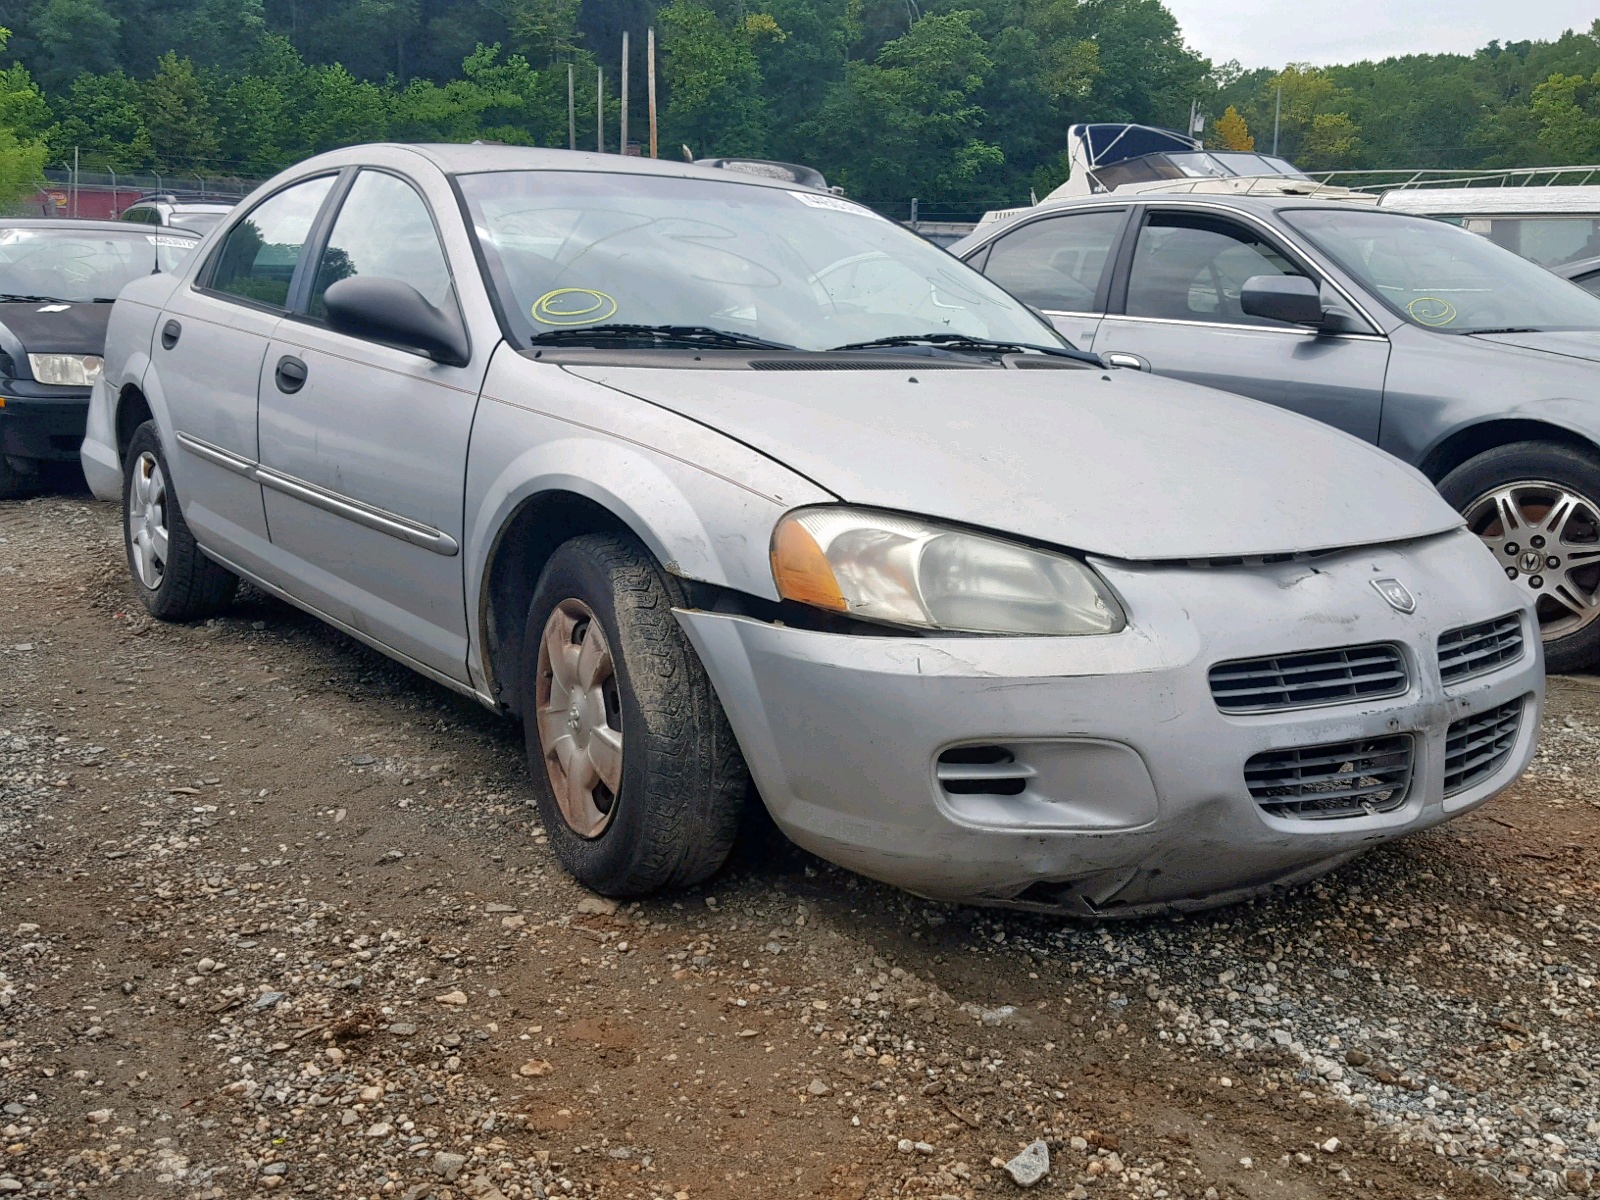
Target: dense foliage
{"points": [[962, 103]]}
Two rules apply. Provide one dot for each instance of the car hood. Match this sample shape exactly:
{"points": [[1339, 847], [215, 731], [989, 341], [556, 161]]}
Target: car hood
{"points": [[1580, 344], [1116, 463], [54, 329]]}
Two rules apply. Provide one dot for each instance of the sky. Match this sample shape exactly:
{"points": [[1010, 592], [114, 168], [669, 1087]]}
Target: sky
{"points": [[1270, 33]]}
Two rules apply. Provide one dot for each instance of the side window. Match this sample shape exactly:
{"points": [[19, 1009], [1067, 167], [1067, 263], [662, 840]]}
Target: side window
{"points": [[1056, 264], [1189, 267], [257, 259], [383, 231]]}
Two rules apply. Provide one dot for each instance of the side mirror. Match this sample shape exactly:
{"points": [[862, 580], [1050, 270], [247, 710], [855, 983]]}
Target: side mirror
{"points": [[389, 311], [1291, 298]]}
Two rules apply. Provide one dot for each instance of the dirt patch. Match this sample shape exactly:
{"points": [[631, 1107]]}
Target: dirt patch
{"points": [[276, 916]]}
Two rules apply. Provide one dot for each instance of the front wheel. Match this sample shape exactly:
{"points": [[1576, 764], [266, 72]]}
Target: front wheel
{"points": [[635, 770], [174, 579], [1537, 507]]}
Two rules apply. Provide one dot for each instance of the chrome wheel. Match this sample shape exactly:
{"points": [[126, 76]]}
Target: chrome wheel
{"points": [[1547, 538], [579, 715], [147, 521]]}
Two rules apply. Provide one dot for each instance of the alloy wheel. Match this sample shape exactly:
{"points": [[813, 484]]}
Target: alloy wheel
{"points": [[147, 521], [1547, 539], [579, 715]]}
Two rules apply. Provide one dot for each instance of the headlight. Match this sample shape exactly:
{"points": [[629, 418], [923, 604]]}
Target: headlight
{"points": [[902, 571], [66, 370]]}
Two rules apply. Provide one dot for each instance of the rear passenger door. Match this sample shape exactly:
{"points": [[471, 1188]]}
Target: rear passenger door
{"points": [[364, 445], [1060, 265], [1175, 310], [206, 368]]}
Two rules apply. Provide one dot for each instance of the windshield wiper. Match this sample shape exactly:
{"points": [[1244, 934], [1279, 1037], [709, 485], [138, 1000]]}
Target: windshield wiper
{"points": [[688, 335], [13, 298], [1505, 329], [960, 341]]}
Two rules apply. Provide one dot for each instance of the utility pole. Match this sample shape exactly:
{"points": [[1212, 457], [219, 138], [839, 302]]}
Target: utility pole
{"points": [[74, 181], [650, 70], [572, 113], [600, 109], [1277, 118], [622, 143]]}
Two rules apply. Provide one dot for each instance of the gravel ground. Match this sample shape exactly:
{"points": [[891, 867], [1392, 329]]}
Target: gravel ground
{"points": [[275, 917]]}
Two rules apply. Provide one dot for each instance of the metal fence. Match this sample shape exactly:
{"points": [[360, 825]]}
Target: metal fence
{"points": [[105, 194]]}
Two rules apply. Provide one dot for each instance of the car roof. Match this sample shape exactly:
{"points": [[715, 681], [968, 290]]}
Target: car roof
{"points": [[70, 223], [1258, 204], [469, 158], [169, 202]]}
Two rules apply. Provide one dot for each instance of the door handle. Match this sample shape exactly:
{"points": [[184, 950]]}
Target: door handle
{"points": [[291, 374], [1121, 358], [169, 334]]}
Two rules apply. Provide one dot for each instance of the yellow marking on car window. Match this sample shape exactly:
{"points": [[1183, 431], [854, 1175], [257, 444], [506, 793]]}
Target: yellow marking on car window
{"points": [[1430, 310], [573, 306]]}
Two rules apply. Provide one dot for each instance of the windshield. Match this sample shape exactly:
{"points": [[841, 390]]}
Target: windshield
{"points": [[1442, 277], [570, 250], [83, 265]]}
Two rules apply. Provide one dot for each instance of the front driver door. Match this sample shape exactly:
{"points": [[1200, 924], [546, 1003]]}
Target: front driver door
{"points": [[1177, 312], [364, 446]]}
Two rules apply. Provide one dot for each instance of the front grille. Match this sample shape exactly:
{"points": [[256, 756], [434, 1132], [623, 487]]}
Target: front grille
{"points": [[1476, 747], [1478, 649], [982, 771], [1341, 779], [1309, 678]]}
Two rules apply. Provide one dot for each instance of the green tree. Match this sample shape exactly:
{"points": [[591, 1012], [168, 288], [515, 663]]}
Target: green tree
{"points": [[906, 124], [1316, 131], [183, 133], [1568, 109], [716, 102], [104, 121], [74, 37], [23, 147]]}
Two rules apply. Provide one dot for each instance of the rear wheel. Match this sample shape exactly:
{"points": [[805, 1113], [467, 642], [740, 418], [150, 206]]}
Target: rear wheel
{"points": [[635, 770], [1537, 507], [173, 578]]}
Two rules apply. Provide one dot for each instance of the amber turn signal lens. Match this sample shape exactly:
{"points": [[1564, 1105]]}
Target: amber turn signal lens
{"points": [[801, 570]]}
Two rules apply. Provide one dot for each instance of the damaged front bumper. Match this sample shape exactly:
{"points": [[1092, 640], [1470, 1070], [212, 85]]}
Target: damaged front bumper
{"points": [[1099, 775]]}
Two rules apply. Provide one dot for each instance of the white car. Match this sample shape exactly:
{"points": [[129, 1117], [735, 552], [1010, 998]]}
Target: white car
{"points": [[709, 477]]}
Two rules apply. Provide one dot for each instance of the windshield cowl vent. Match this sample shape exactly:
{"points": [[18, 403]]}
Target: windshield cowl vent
{"points": [[803, 364]]}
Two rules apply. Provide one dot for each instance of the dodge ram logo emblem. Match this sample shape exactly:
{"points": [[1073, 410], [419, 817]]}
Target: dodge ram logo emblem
{"points": [[1393, 591]]}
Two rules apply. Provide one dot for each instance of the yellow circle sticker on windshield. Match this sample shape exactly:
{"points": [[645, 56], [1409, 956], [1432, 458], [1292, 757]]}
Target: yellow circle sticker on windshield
{"points": [[1430, 310], [573, 306]]}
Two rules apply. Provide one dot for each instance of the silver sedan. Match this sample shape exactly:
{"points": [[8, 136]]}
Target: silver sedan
{"points": [[711, 480]]}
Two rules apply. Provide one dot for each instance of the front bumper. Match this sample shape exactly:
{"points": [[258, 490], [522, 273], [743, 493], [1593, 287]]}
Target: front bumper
{"points": [[47, 428], [1136, 797]]}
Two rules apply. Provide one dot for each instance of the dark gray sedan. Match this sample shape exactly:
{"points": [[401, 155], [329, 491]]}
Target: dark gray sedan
{"points": [[1472, 364]]}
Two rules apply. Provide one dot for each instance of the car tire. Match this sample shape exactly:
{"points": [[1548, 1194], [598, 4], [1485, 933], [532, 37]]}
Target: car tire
{"points": [[638, 779], [181, 584], [1554, 493], [14, 483]]}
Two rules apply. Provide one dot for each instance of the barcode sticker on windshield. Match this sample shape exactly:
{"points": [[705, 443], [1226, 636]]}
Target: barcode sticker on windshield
{"points": [[816, 200], [159, 239]]}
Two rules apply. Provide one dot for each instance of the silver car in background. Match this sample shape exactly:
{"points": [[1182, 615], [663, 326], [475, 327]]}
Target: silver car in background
{"points": [[708, 478], [1453, 354]]}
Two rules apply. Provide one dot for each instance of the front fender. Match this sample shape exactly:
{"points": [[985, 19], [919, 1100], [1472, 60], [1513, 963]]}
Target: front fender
{"points": [[1570, 415], [703, 504]]}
